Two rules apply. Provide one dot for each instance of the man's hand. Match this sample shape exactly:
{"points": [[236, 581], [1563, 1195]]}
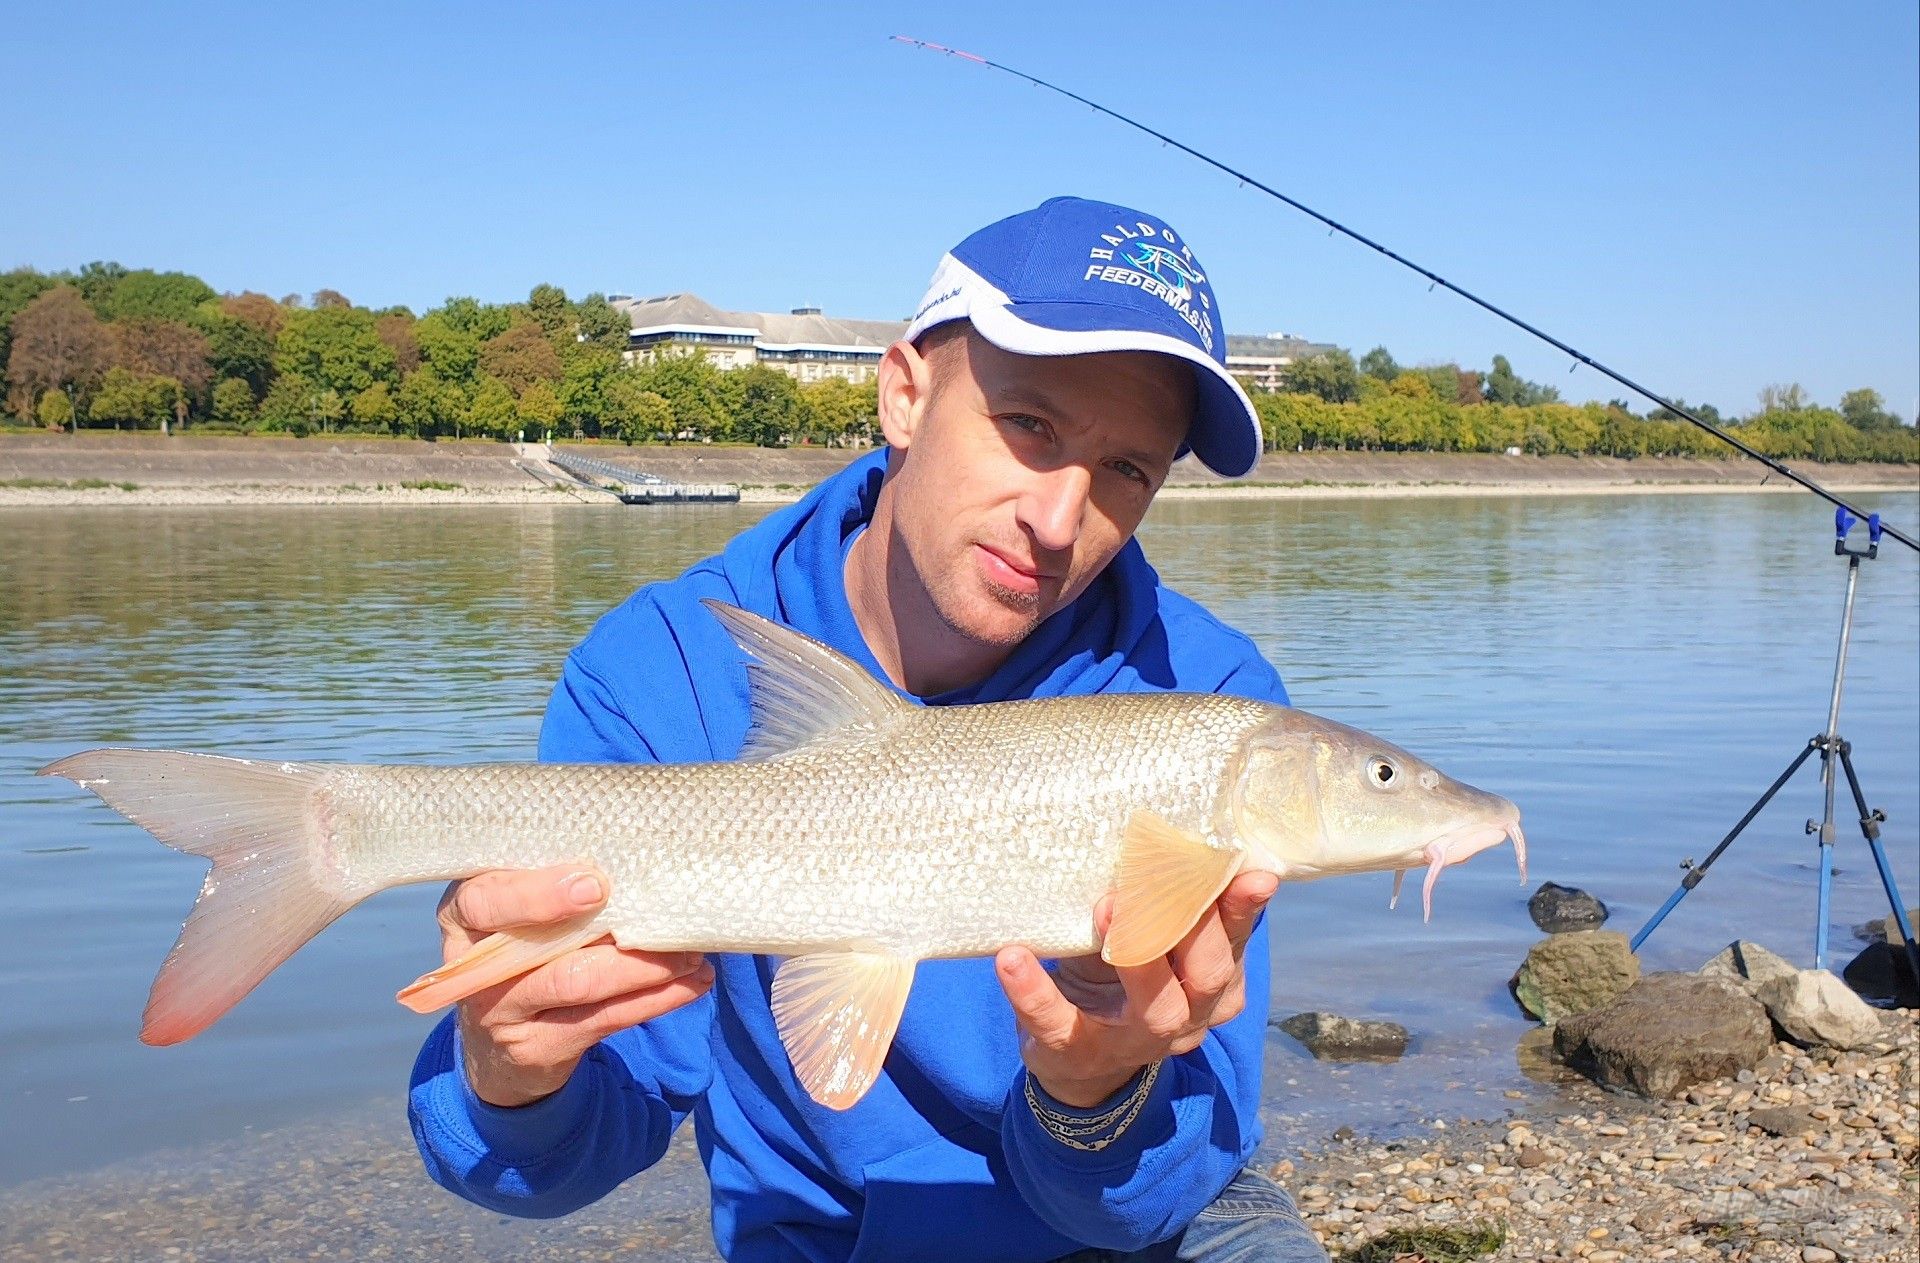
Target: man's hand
{"points": [[524, 1037], [1089, 1027]]}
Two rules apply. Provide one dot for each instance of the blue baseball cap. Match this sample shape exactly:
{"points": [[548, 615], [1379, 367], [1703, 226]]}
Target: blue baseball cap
{"points": [[1075, 277]]}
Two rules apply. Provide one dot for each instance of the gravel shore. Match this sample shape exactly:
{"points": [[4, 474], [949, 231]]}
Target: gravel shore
{"points": [[1589, 1175], [1624, 1180]]}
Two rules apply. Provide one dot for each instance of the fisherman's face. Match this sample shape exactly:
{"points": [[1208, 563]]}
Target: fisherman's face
{"points": [[1019, 477]]}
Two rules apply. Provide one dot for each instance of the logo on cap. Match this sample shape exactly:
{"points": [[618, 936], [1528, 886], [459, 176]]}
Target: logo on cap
{"points": [[1161, 265]]}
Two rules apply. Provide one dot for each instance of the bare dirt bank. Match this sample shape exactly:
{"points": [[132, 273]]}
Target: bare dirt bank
{"points": [[127, 468]]}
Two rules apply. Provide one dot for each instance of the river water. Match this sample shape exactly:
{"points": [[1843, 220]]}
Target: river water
{"points": [[1631, 670]]}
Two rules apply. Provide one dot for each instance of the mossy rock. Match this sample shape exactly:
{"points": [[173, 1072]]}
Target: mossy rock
{"points": [[1574, 972]]}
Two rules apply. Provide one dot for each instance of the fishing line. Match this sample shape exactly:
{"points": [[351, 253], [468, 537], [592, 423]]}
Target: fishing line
{"points": [[1434, 279]]}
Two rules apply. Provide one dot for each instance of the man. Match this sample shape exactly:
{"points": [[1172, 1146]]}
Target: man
{"points": [[1063, 359]]}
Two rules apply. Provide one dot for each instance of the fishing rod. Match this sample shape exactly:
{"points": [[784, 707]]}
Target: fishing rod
{"points": [[1432, 276]]}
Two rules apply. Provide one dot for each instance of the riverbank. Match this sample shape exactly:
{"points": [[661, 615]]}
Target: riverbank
{"points": [[1586, 1175], [148, 469]]}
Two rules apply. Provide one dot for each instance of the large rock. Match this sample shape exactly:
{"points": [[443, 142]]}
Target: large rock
{"points": [[1881, 973], [1331, 1037], [1558, 909], [1667, 1033], [1814, 1007], [1571, 973], [1749, 964], [1887, 929]]}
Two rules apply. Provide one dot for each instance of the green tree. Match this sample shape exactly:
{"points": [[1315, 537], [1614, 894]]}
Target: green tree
{"points": [[338, 349], [1866, 411], [841, 412], [470, 316], [429, 405], [330, 300], [494, 409], [126, 398], [451, 352], [1379, 364], [766, 406], [1506, 386], [236, 347], [601, 324], [649, 417], [374, 409], [288, 406], [1330, 375], [539, 409], [548, 306], [692, 386], [96, 283], [233, 402], [150, 295], [56, 410], [586, 388], [1705, 411]]}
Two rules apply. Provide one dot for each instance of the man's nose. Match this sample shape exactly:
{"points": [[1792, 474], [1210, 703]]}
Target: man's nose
{"points": [[1054, 506]]}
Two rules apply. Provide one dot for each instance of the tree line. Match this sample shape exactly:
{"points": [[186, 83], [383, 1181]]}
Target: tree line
{"points": [[117, 348], [1331, 401], [109, 346]]}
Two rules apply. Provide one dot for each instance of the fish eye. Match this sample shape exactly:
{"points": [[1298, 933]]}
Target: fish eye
{"points": [[1382, 774]]}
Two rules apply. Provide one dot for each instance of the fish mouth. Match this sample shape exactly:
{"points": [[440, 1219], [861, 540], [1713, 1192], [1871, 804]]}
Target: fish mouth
{"points": [[1462, 844]]}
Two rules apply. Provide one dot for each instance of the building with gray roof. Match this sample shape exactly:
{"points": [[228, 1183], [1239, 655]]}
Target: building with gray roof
{"points": [[809, 345]]}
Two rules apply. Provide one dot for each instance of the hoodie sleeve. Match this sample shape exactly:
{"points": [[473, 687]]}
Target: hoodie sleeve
{"points": [[617, 1114], [1196, 1128]]}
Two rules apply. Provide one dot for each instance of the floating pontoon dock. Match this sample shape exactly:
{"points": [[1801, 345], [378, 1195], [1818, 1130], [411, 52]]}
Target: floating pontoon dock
{"points": [[635, 487]]}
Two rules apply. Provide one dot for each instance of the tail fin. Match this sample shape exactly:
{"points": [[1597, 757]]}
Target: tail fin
{"points": [[273, 887]]}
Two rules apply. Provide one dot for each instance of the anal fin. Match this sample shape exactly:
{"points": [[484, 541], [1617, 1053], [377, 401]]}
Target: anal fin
{"points": [[496, 958], [1168, 878], [837, 1013]]}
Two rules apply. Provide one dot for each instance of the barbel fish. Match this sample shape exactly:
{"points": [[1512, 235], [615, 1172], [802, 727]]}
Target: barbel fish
{"points": [[856, 835]]}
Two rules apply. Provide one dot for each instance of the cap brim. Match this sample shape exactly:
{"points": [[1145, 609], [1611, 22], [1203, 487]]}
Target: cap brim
{"points": [[1225, 435]]}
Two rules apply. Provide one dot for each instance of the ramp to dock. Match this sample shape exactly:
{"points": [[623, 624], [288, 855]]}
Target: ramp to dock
{"points": [[635, 486]]}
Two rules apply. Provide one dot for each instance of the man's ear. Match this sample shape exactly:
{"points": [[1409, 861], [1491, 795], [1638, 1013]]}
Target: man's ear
{"points": [[905, 385]]}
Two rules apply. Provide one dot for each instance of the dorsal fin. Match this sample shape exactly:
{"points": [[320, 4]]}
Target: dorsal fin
{"points": [[802, 691]]}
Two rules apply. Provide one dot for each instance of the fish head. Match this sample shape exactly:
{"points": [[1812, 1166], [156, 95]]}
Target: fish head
{"points": [[1314, 798]]}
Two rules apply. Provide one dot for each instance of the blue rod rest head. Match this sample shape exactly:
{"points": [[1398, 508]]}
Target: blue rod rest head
{"points": [[1842, 523], [1873, 528]]}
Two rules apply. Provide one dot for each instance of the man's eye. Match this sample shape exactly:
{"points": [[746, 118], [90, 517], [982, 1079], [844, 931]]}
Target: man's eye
{"points": [[1021, 421], [1127, 469]]}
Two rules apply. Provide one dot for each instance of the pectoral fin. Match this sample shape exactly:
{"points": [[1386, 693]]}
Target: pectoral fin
{"points": [[496, 958], [1168, 877], [836, 1013]]}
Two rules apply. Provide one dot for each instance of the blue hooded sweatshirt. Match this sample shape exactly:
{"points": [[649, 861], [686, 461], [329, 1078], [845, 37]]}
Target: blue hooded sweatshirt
{"points": [[943, 1158]]}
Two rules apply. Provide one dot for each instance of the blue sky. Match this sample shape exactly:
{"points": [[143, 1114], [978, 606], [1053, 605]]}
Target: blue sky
{"points": [[1711, 197]]}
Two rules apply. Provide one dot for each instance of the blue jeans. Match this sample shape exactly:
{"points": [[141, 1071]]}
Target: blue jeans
{"points": [[1252, 1221]]}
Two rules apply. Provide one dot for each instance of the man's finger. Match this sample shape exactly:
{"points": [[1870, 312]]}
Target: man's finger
{"points": [[576, 1030], [1156, 1001], [590, 976], [1241, 903], [1206, 961], [1044, 1014], [505, 898]]}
